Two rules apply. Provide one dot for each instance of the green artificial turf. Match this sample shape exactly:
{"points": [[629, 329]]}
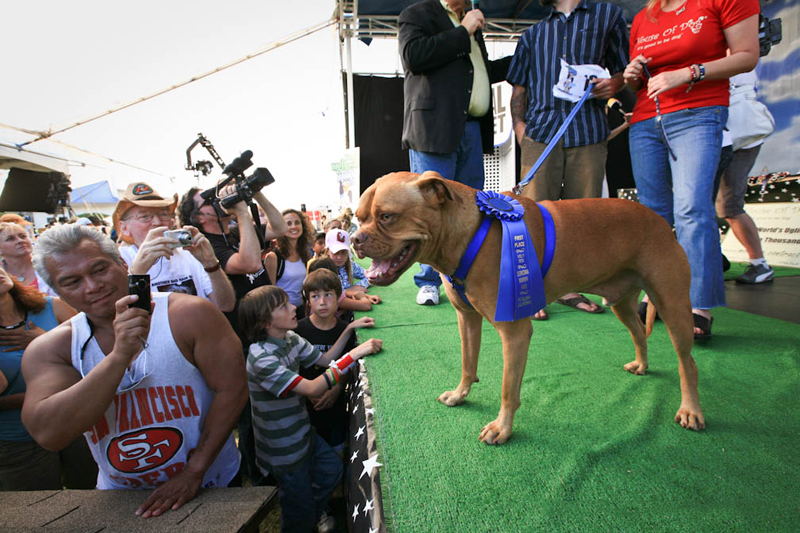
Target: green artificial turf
{"points": [[737, 269], [594, 448]]}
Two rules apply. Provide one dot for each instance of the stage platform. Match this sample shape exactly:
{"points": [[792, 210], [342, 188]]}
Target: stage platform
{"points": [[595, 448], [112, 511]]}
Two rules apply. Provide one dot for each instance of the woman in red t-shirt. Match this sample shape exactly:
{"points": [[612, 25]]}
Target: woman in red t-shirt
{"points": [[680, 74]]}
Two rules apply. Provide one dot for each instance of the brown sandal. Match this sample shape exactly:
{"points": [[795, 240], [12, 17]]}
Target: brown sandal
{"points": [[581, 299]]}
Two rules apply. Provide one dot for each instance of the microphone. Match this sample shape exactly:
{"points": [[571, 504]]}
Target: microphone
{"points": [[615, 105], [240, 164]]}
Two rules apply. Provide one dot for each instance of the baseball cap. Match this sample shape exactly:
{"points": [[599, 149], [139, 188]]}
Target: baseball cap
{"points": [[337, 240], [143, 195]]}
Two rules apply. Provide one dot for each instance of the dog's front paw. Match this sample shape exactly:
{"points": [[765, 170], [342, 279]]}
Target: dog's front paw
{"points": [[452, 398], [494, 433], [635, 367], [690, 418]]}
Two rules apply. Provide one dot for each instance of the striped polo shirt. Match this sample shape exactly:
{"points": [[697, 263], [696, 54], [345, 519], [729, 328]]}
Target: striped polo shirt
{"points": [[280, 422], [595, 33]]}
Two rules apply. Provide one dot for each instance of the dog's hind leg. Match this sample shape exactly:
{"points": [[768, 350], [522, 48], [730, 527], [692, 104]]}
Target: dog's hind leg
{"points": [[676, 314], [625, 309], [469, 327], [516, 338]]}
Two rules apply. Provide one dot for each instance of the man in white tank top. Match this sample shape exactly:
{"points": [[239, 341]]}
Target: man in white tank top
{"points": [[155, 396]]}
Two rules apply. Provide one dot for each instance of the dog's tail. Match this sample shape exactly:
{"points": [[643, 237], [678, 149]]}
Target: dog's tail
{"points": [[650, 318]]}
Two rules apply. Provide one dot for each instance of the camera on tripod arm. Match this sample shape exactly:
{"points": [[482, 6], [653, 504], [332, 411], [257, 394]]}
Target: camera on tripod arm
{"points": [[246, 186]]}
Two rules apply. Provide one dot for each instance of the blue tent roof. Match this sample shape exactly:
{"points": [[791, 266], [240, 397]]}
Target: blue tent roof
{"points": [[94, 193]]}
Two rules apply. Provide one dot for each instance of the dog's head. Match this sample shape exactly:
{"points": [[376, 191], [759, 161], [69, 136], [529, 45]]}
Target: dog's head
{"points": [[401, 221]]}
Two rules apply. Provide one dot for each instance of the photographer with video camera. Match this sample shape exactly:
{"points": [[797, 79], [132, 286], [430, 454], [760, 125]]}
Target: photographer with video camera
{"points": [[240, 253], [177, 261]]}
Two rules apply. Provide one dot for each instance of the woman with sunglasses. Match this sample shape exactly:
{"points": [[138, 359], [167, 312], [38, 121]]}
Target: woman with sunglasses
{"points": [[680, 74], [25, 313]]}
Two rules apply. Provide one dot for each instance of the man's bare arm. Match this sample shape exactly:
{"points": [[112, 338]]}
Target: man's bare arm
{"points": [[59, 404], [207, 341], [276, 225]]}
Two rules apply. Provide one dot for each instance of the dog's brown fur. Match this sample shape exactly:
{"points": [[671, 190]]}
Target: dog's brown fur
{"points": [[612, 248]]}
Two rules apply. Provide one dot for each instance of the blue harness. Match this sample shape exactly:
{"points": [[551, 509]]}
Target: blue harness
{"points": [[521, 287]]}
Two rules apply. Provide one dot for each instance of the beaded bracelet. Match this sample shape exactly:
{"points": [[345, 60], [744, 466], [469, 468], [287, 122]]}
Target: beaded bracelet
{"points": [[695, 77]]}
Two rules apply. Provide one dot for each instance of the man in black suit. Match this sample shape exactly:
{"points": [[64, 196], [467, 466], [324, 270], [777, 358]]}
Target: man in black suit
{"points": [[448, 121]]}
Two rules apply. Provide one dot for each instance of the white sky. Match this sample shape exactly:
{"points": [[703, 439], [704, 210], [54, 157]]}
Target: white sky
{"points": [[66, 61]]}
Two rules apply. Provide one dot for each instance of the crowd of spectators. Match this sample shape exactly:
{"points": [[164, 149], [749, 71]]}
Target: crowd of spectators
{"points": [[250, 306]]}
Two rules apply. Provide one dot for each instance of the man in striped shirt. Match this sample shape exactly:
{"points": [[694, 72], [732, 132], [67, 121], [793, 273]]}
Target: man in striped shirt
{"points": [[579, 33]]}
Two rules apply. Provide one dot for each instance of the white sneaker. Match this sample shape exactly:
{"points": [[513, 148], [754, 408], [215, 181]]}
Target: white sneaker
{"points": [[326, 523], [428, 295]]}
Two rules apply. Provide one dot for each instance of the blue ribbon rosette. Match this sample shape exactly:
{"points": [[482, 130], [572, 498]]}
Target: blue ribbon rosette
{"points": [[520, 292]]}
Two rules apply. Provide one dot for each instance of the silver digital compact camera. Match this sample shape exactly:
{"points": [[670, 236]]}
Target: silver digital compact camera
{"points": [[183, 237]]}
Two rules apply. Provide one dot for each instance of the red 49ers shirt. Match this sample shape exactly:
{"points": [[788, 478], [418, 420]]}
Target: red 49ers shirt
{"points": [[691, 34], [154, 423]]}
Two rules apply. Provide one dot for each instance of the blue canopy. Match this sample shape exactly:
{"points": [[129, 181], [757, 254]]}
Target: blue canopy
{"points": [[94, 193]]}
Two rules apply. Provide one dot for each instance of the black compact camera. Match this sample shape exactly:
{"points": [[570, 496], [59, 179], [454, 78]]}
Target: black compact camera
{"points": [[246, 186], [770, 32], [139, 284]]}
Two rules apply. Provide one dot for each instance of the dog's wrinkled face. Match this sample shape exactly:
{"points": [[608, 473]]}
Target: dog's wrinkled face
{"points": [[400, 216]]}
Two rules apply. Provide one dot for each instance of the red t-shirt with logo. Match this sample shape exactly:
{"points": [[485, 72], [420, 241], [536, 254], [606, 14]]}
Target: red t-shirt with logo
{"points": [[691, 34]]}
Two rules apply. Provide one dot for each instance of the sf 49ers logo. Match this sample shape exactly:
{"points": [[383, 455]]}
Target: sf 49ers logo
{"points": [[140, 451]]}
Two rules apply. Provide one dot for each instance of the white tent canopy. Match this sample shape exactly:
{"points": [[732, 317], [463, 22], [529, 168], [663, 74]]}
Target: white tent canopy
{"points": [[11, 157]]}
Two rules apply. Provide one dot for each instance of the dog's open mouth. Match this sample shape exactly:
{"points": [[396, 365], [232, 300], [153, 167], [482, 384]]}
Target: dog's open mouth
{"points": [[386, 271]]}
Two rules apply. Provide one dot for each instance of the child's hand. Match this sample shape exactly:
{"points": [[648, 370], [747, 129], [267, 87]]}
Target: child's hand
{"points": [[370, 347], [363, 322], [327, 400], [374, 298]]}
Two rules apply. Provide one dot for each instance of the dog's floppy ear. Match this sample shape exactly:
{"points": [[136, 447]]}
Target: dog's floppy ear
{"points": [[432, 183]]}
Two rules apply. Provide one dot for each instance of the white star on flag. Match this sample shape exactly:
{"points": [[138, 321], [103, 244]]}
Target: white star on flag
{"points": [[354, 456], [373, 530], [355, 512], [370, 412], [360, 431], [368, 507], [369, 465], [360, 393]]}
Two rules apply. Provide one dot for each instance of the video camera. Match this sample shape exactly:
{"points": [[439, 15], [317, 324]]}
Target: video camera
{"points": [[246, 187], [770, 32]]}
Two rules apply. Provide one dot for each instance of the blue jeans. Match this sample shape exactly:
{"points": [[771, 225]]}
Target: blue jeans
{"points": [[465, 165], [304, 493], [682, 190]]}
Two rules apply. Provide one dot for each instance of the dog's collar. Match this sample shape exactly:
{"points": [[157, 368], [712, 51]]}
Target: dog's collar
{"points": [[506, 209]]}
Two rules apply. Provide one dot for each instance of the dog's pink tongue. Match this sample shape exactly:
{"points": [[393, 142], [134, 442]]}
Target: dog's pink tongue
{"points": [[378, 268]]}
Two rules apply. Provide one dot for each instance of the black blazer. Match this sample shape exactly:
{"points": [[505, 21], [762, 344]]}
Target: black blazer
{"points": [[438, 79]]}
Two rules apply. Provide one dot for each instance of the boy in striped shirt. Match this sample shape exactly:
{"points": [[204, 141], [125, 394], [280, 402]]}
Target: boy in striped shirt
{"points": [[306, 467]]}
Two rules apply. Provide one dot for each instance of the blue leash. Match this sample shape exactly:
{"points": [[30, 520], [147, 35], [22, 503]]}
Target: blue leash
{"points": [[552, 144]]}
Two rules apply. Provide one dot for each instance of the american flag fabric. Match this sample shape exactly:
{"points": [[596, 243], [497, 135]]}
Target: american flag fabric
{"points": [[364, 462]]}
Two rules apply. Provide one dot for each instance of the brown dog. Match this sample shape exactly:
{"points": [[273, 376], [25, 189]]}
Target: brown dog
{"points": [[612, 248]]}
